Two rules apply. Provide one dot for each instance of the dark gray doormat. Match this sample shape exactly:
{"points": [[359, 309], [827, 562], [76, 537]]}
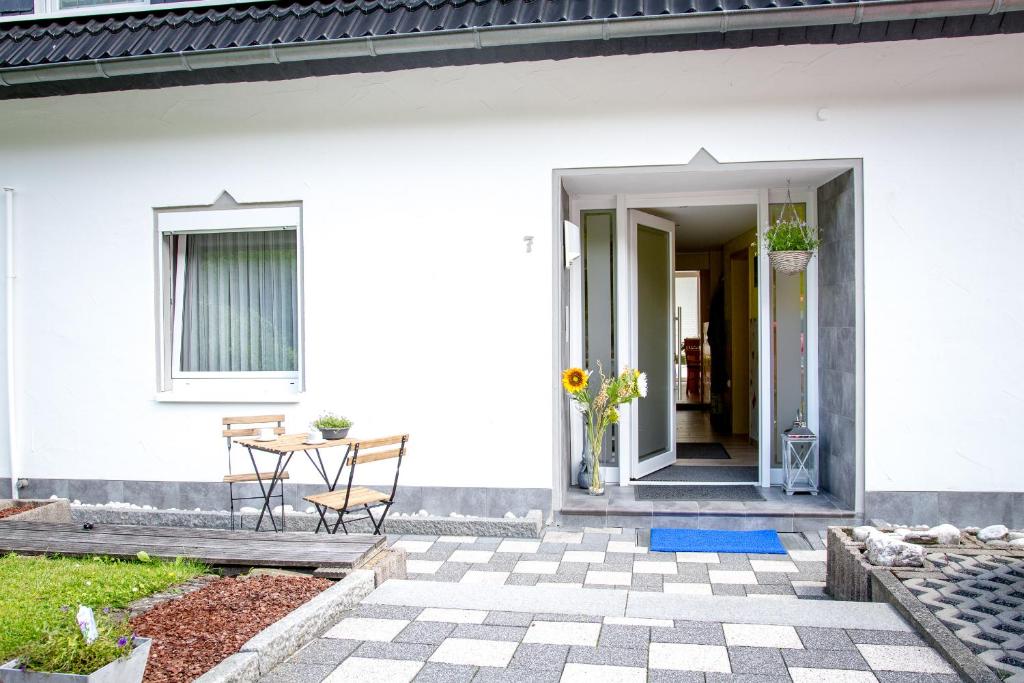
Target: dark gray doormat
{"points": [[732, 493], [703, 473], [702, 451]]}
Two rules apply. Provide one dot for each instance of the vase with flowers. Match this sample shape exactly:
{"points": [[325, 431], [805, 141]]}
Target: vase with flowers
{"points": [[600, 409]]}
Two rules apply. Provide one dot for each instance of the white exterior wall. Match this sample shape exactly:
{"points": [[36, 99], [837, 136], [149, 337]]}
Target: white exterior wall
{"points": [[423, 310]]}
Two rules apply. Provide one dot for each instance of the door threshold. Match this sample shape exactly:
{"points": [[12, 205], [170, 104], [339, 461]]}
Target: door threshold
{"points": [[637, 482]]}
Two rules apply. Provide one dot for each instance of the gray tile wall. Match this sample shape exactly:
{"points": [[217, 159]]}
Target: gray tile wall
{"points": [[962, 508], [436, 500], [837, 338]]}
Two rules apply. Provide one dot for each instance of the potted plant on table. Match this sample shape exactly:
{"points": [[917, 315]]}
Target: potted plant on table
{"points": [[790, 242], [98, 651], [600, 410], [332, 426]]}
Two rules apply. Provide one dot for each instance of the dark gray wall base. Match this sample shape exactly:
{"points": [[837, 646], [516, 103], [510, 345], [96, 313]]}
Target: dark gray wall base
{"points": [[972, 508], [165, 495]]}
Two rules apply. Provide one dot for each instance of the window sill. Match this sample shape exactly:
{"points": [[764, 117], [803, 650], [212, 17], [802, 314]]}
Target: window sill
{"points": [[225, 397]]}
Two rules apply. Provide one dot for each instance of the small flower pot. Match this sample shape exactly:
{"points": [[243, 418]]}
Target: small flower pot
{"points": [[335, 434], [124, 670]]}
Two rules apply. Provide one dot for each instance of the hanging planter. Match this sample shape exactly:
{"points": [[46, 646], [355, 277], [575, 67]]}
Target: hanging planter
{"points": [[790, 242]]}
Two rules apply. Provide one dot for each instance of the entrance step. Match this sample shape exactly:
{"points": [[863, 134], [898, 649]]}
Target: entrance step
{"points": [[597, 602], [619, 508]]}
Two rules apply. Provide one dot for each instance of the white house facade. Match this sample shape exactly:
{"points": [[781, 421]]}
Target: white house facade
{"points": [[420, 279]]}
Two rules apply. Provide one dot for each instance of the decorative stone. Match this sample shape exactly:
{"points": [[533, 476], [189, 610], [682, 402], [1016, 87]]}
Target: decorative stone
{"points": [[972, 530], [888, 551], [1014, 536], [1017, 543], [902, 531], [921, 537], [998, 543], [946, 534], [995, 532], [861, 533], [510, 515]]}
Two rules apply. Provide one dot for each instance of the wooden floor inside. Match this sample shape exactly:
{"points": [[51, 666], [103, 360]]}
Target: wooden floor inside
{"points": [[219, 547], [694, 426]]}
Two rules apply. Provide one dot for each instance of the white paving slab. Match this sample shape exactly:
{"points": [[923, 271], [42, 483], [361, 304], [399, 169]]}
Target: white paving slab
{"points": [[471, 556], [452, 616], [742, 610], [702, 558], [585, 556], [606, 578], [626, 547], [762, 635], [802, 675], [484, 578], [684, 657], [535, 567], [414, 546], [474, 652], [560, 584], [518, 547], [602, 673], [904, 658], [732, 576], [563, 633], [808, 555], [422, 566], [563, 537], [456, 539], [377, 670], [638, 621], [773, 566], [688, 588], [654, 567], [366, 628], [600, 602]]}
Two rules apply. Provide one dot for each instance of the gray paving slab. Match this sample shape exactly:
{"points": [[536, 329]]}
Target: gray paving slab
{"points": [[825, 638], [511, 619], [436, 672], [516, 675], [325, 651], [757, 660], [425, 632], [416, 652], [510, 634], [825, 659], [540, 656], [609, 656], [298, 673], [883, 637], [630, 637], [549, 599], [665, 676], [737, 610], [688, 633]]}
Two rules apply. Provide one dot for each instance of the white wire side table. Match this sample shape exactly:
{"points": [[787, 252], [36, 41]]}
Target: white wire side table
{"points": [[799, 461]]}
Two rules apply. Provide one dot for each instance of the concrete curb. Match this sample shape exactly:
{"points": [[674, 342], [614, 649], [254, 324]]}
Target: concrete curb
{"points": [[519, 527], [887, 588], [282, 639]]}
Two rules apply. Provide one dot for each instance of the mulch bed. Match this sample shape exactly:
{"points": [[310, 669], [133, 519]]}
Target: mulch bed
{"points": [[192, 634], [17, 508]]}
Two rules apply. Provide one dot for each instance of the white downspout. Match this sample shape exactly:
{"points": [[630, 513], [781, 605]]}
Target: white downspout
{"points": [[9, 332]]}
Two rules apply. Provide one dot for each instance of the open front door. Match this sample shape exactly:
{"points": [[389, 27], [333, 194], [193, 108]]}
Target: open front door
{"points": [[651, 329]]}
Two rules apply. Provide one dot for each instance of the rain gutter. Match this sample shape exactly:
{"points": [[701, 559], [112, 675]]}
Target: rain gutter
{"points": [[505, 36], [12, 460]]}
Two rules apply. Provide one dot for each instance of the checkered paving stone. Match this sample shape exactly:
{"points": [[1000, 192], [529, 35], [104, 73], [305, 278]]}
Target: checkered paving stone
{"points": [[618, 559], [980, 599], [389, 644]]}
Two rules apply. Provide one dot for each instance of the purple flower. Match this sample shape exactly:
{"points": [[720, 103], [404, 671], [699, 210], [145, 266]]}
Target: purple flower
{"points": [[106, 610], [122, 641]]}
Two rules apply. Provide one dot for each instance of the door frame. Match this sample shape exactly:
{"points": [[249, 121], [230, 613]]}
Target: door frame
{"points": [[625, 296]]}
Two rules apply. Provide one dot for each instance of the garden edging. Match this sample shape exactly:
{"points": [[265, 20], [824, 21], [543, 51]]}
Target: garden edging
{"points": [[282, 639]]}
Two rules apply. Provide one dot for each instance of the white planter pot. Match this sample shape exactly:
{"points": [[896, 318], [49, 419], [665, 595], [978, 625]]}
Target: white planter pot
{"points": [[125, 670]]}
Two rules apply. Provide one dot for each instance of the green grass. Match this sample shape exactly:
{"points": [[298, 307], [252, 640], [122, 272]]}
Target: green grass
{"points": [[39, 596]]}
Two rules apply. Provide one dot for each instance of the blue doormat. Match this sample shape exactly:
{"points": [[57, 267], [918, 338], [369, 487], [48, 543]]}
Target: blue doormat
{"points": [[710, 541]]}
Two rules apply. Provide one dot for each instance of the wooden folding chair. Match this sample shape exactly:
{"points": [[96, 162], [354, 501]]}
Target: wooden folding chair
{"points": [[250, 426], [361, 498]]}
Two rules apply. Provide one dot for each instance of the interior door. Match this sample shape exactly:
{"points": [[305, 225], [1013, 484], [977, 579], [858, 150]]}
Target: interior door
{"points": [[653, 271]]}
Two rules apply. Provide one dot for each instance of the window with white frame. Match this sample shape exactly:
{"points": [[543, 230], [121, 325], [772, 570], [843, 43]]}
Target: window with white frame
{"points": [[231, 304]]}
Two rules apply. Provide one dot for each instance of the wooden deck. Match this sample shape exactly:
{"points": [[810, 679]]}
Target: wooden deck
{"points": [[211, 546]]}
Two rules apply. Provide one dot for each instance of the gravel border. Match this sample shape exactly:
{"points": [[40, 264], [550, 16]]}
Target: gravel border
{"points": [[502, 527], [279, 641]]}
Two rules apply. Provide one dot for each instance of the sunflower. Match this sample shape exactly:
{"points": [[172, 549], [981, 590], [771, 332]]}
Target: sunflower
{"points": [[574, 380]]}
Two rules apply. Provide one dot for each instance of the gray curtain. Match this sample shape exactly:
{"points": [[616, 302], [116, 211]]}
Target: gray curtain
{"points": [[240, 302]]}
